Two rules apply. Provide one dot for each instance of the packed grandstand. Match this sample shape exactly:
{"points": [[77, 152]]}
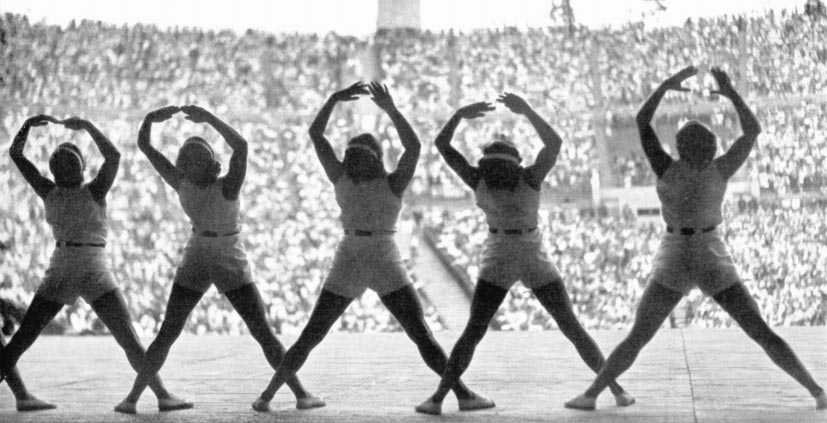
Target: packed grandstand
{"points": [[586, 82]]}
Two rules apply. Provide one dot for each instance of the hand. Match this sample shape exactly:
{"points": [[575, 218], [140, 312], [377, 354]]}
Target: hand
{"points": [[75, 123], [475, 110], [674, 82], [39, 120], [380, 95], [514, 103], [196, 114], [724, 84], [162, 114], [352, 92]]}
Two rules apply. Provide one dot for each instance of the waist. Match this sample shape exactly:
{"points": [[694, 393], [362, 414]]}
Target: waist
{"points": [[362, 232], [690, 231], [511, 231], [62, 244], [213, 234]]}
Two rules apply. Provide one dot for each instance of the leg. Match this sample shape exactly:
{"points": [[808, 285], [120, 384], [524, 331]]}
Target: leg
{"points": [[555, 299], [24, 400], [654, 308], [181, 302], [405, 306], [486, 301], [41, 311], [249, 305], [328, 308], [737, 301], [111, 309]]}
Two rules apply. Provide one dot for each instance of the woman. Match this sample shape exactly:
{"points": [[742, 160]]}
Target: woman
{"points": [[76, 211], [214, 253], [367, 257], [509, 195], [691, 190], [24, 400]]}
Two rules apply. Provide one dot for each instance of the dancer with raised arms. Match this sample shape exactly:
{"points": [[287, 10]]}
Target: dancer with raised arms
{"points": [[509, 195], [693, 252], [367, 257], [76, 211], [214, 253]]}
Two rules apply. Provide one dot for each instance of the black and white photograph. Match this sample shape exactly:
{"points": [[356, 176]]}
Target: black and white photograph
{"points": [[413, 211]]}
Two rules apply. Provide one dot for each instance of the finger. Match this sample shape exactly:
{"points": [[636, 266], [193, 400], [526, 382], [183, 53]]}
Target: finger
{"points": [[682, 89]]}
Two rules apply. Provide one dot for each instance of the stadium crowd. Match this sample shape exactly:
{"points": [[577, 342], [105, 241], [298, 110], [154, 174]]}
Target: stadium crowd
{"points": [[269, 85]]}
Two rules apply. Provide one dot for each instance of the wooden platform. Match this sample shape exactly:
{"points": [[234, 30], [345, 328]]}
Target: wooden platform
{"points": [[683, 376]]}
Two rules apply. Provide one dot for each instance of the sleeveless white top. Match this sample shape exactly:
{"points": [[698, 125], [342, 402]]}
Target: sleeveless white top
{"points": [[207, 208], [505, 209], [75, 216], [691, 198], [368, 205]]}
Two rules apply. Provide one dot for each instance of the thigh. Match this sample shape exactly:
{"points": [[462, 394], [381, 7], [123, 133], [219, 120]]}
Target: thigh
{"points": [[405, 306], [248, 303], [499, 264], [486, 301], [737, 301], [719, 272], [182, 301], [655, 305], [329, 307]]}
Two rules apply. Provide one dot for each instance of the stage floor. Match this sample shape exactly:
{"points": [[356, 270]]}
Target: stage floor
{"points": [[689, 375]]}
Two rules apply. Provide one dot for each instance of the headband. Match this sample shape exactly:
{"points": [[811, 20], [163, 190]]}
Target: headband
{"points": [[501, 156], [72, 152], [201, 143], [363, 147]]}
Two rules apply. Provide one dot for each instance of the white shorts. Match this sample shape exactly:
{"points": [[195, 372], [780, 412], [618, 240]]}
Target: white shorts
{"points": [[77, 272], [684, 261], [509, 258], [363, 262], [214, 260]]}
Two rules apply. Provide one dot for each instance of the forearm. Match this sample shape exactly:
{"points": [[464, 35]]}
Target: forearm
{"points": [[443, 139], [230, 135], [406, 133], [647, 111], [319, 124], [547, 134], [749, 123], [107, 149], [19, 143]]}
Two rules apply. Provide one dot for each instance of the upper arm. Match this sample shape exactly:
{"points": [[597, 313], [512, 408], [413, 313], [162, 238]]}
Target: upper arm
{"points": [[734, 158], [105, 178], [170, 174], [41, 184], [459, 164], [537, 172], [401, 177], [232, 182], [327, 157], [659, 159]]}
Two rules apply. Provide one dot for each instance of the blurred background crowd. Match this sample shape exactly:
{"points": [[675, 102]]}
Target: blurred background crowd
{"points": [[268, 86]]}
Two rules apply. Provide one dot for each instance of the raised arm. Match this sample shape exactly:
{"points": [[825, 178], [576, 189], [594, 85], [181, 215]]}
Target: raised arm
{"points": [[40, 183], [659, 159], [331, 164], [401, 177], [455, 160], [551, 141], [111, 157], [737, 154], [232, 182], [171, 175]]}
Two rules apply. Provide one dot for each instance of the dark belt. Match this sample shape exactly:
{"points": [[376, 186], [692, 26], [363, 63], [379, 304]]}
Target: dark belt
{"points": [[211, 234], [512, 231], [691, 231], [79, 244], [360, 232]]}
